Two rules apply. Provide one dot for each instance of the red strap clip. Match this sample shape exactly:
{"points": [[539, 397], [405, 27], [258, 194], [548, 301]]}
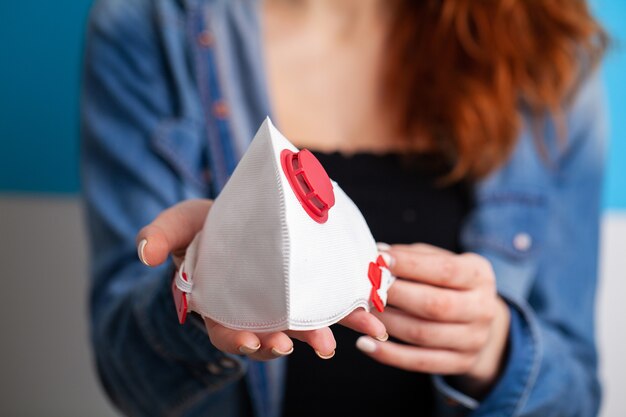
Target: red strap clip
{"points": [[375, 275], [180, 299]]}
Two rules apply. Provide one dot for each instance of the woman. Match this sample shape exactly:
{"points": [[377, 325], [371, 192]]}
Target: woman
{"points": [[468, 133]]}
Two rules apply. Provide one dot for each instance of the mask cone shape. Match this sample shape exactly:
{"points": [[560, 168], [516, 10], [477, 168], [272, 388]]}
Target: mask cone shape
{"points": [[283, 247]]}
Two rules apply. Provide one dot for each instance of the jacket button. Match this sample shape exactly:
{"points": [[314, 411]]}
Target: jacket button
{"points": [[214, 369], [206, 175], [220, 109], [522, 242], [228, 363], [206, 39]]}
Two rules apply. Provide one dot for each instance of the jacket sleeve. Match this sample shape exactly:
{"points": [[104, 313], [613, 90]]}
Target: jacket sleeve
{"points": [[552, 359], [148, 363]]}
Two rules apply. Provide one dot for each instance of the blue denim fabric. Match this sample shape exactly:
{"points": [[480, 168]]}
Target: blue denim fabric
{"points": [[173, 91]]}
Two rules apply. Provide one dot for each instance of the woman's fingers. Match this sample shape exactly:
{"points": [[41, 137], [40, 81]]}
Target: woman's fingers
{"points": [[321, 340], [435, 303], [431, 334], [416, 359], [440, 269], [363, 322], [232, 341], [273, 345], [445, 307], [419, 248], [265, 346], [171, 231]]}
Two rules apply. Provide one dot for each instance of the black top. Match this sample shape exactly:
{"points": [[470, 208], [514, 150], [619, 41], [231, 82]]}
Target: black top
{"points": [[401, 203]]}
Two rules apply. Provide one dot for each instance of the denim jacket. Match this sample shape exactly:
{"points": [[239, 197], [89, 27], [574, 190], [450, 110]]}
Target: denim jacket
{"points": [[174, 90]]}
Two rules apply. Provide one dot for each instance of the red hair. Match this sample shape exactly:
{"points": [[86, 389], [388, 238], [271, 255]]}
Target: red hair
{"points": [[458, 71]]}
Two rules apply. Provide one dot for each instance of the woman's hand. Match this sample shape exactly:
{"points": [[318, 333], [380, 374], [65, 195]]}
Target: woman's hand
{"points": [[445, 308], [174, 229]]}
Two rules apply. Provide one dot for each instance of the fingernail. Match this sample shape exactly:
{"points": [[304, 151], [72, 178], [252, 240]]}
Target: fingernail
{"points": [[140, 248], [382, 338], [366, 344], [330, 355], [247, 350], [382, 246], [279, 353], [388, 259]]}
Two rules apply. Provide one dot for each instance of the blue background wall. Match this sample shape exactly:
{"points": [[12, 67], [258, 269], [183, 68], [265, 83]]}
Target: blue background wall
{"points": [[613, 15], [40, 53], [40, 48]]}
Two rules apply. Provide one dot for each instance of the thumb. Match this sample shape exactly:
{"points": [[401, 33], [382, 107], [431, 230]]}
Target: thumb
{"points": [[172, 230]]}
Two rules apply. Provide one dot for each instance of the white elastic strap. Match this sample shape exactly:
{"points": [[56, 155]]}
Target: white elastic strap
{"points": [[184, 286]]}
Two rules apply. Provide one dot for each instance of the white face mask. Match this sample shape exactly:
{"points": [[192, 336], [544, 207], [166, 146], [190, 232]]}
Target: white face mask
{"points": [[283, 247]]}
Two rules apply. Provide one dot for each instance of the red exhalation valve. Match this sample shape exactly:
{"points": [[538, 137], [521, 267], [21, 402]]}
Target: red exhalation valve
{"points": [[310, 182]]}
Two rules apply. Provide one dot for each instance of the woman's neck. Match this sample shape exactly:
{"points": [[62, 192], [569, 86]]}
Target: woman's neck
{"points": [[323, 61]]}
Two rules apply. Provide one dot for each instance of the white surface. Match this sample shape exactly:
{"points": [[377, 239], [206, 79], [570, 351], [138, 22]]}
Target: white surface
{"points": [[612, 314], [45, 360]]}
